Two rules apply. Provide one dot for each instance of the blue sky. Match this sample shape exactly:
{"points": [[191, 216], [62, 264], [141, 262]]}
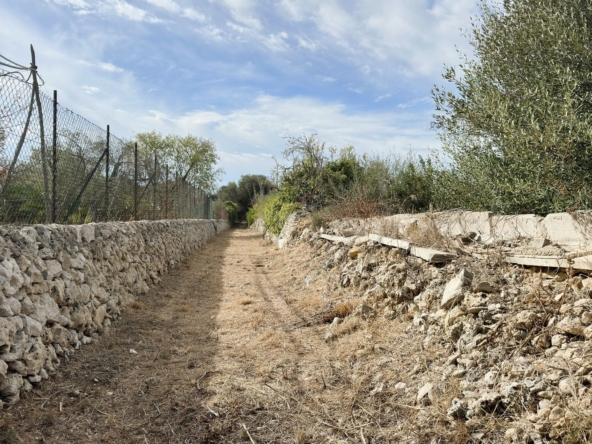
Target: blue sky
{"points": [[246, 73]]}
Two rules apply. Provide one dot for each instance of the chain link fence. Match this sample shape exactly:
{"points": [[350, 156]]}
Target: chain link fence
{"points": [[57, 167]]}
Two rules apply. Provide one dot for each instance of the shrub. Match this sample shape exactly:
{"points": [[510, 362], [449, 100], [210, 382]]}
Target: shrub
{"points": [[251, 216], [275, 209], [232, 210]]}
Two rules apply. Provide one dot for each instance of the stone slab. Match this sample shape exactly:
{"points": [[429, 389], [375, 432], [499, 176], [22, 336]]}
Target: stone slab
{"points": [[397, 243], [344, 240], [520, 226], [583, 263], [431, 256]]}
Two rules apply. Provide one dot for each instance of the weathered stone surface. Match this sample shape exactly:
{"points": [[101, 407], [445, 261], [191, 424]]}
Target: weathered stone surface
{"points": [[31, 326], [53, 269], [425, 394], [9, 307], [571, 326], [484, 287], [525, 320], [45, 309], [453, 293], [8, 329], [11, 385]]}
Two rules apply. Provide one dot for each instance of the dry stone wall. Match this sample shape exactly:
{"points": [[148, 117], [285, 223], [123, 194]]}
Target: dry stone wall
{"points": [[62, 285]]}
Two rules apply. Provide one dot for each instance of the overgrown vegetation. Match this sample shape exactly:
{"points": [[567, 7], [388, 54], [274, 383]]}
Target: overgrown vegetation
{"points": [[335, 184], [516, 129], [245, 193], [517, 125]]}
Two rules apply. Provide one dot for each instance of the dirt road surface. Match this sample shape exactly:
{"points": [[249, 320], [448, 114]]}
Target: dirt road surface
{"points": [[228, 348]]}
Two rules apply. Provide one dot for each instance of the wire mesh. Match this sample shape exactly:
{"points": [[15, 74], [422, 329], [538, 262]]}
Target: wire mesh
{"points": [[87, 175]]}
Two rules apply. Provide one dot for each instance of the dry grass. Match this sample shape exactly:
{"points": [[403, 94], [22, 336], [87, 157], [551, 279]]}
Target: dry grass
{"points": [[223, 372], [427, 234], [138, 305]]}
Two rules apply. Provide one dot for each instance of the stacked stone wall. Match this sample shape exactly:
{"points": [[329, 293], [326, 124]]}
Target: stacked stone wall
{"points": [[61, 286]]}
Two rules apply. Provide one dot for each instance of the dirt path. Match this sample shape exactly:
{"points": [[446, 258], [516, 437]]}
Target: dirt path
{"points": [[226, 349]]}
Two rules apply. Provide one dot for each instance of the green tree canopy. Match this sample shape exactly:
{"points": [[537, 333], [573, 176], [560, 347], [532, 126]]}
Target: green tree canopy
{"points": [[314, 173], [245, 193], [193, 158], [517, 124]]}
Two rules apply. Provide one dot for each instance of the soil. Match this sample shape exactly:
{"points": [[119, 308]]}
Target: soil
{"points": [[235, 346], [213, 354]]}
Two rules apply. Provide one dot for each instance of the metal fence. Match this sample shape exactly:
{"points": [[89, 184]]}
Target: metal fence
{"points": [[57, 167]]}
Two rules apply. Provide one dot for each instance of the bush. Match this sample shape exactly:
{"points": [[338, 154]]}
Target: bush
{"points": [[232, 210], [251, 216], [275, 209]]}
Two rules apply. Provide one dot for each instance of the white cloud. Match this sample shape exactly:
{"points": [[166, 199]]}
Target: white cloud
{"points": [[307, 44], [247, 130], [127, 11], [213, 33], [169, 5], [276, 42], [91, 89], [81, 4], [242, 11], [410, 38], [172, 6], [109, 67], [381, 98], [192, 14], [326, 79], [413, 102]]}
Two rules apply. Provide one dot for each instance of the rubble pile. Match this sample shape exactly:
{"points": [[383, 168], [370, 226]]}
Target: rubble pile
{"points": [[515, 343]]}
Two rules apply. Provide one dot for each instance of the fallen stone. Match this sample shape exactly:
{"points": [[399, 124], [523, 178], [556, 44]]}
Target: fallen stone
{"points": [[425, 394], [397, 243], [354, 252], [458, 409], [400, 386], [431, 256], [525, 320], [556, 414], [484, 287], [572, 326], [453, 293]]}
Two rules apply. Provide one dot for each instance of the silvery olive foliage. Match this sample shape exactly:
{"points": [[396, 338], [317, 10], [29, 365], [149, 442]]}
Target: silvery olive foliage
{"points": [[516, 124]]}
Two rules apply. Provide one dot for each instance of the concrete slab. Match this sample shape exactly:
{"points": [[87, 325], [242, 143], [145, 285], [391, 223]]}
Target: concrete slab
{"points": [[562, 228], [513, 227], [583, 263], [431, 256], [397, 243], [455, 223], [344, 240]]}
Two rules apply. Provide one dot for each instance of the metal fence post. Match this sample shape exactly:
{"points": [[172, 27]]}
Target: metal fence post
{"points": [[176, 196], [107, 174], [136, 181], [54, 169], [154, 191], [166, 193]]}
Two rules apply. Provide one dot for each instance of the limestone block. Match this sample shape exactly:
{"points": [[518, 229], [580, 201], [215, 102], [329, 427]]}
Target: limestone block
{"points": [[453, 292], [45, 309]]}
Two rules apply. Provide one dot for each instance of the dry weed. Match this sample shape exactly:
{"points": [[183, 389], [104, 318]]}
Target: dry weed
{"points": [[137, 305]]}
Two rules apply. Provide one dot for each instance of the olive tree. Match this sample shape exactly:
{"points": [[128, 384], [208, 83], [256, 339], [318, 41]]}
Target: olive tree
{"points": [[516, 125]]}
